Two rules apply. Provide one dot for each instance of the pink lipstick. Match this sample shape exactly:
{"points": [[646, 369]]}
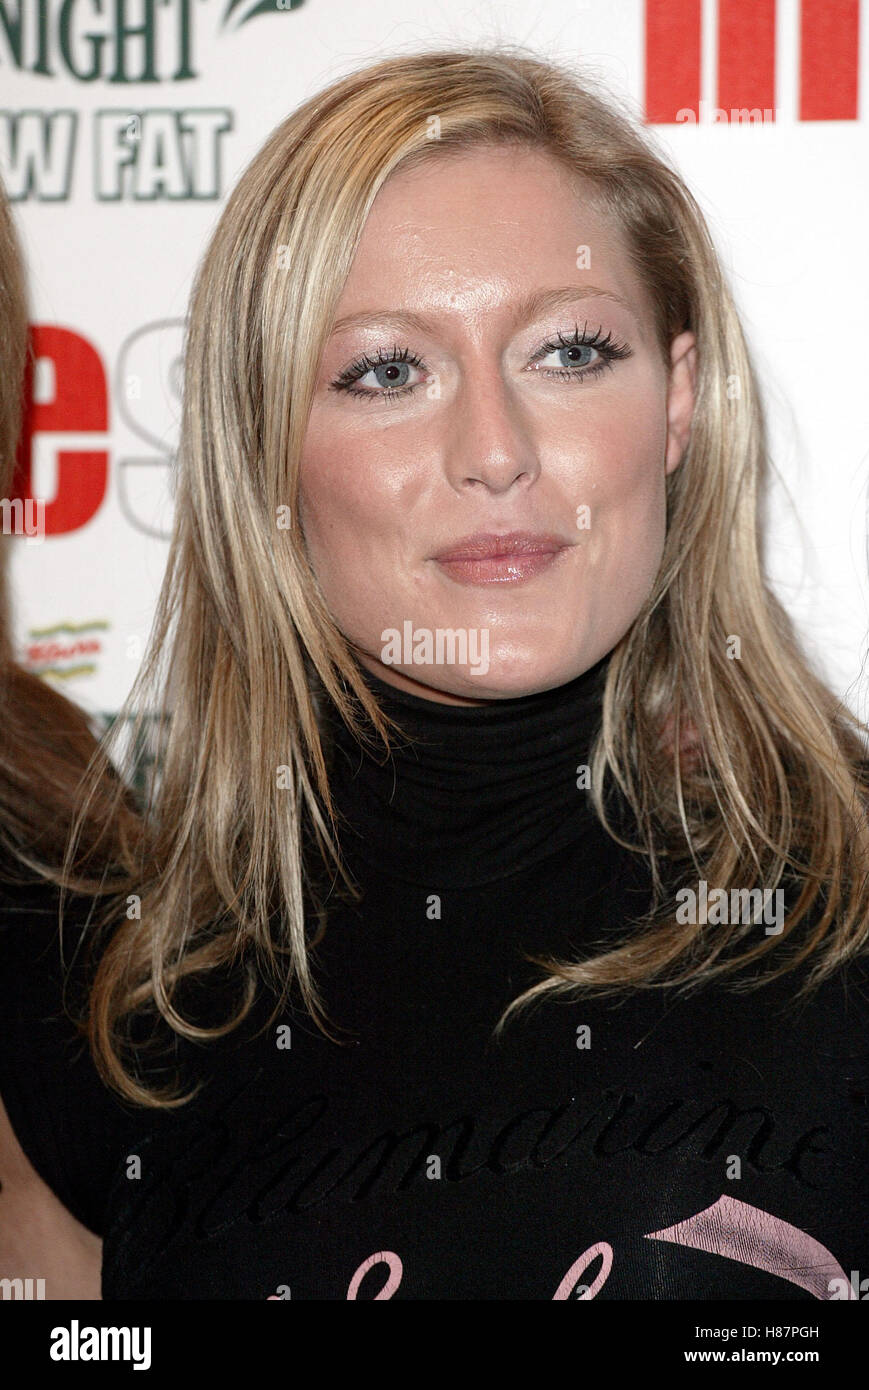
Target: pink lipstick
{"points": [[507, 559]]}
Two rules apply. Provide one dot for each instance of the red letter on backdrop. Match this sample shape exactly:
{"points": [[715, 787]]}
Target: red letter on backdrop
{"points": [[672, 59], [80, 403], [746, 55], [828, 60], [829, 47]]}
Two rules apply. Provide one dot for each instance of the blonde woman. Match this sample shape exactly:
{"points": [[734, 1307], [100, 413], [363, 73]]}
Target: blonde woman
{"points": [[498, 928]]}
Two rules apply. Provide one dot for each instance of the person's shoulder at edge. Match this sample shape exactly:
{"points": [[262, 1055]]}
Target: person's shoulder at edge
{"points": [[69, 1125]]}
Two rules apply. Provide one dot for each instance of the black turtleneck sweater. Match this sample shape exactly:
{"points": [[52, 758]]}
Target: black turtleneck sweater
{"points": [[649, 1146]]}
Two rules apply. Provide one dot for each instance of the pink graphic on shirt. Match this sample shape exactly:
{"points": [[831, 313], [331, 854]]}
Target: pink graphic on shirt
{"points": [[394, 1265], [745, 1233], [571, 1278], [728, 1227]]}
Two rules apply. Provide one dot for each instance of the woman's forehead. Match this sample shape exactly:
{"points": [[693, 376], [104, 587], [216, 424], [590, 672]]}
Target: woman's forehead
{"points": [[487, 230]]}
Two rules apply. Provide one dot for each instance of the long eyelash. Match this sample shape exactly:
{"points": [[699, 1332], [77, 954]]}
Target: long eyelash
{"points": [[365, 364], [607, 346], [610, 349]]}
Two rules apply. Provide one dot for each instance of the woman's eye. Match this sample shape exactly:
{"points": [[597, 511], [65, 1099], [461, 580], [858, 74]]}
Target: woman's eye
{"points": [[582, 355], [388, 375], [383, 378], [574, 355]]}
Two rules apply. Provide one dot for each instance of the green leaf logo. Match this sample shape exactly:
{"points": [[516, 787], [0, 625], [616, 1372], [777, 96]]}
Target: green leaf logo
{"points": [[260, 7]]}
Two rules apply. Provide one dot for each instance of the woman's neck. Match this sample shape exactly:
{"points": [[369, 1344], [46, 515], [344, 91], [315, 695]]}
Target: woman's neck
{"points": [[477, 792]]}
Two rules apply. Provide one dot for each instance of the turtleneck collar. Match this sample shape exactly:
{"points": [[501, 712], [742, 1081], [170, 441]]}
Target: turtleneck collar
{"points": [[481, 791]]}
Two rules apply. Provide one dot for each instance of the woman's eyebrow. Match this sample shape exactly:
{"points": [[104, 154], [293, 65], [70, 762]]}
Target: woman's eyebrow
{"points": [[524, 309]]}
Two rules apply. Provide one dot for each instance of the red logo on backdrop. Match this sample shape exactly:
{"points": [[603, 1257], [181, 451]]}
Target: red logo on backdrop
{"points": [[79, 404], [745, 79]]}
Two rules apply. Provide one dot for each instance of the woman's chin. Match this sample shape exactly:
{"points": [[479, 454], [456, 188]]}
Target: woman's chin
{"points": [[467, 684]]}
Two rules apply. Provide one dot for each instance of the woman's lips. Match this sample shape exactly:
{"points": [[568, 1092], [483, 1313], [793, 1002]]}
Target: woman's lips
{"points": [[512, 559]]}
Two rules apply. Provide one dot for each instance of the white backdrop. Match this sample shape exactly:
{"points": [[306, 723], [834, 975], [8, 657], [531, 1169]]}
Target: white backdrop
{"points": [[117, 182]]}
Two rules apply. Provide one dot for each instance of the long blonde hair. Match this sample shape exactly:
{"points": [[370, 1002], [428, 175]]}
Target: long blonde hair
{"points": [[744, 769]]}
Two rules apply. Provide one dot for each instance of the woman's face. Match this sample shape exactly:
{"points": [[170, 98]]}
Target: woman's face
{"points": [[483, 481]]}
